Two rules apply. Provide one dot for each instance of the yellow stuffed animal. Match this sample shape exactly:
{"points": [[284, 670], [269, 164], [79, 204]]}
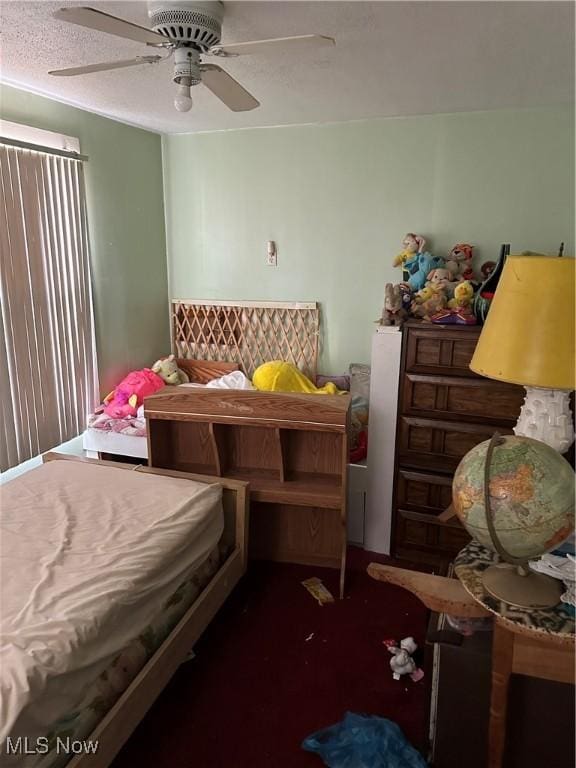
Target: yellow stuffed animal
{"points": [[428, 301], [278, 376], [463, 295]]}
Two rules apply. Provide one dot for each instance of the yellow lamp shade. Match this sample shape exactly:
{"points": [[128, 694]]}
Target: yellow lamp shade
{"points": [[528, 336]]}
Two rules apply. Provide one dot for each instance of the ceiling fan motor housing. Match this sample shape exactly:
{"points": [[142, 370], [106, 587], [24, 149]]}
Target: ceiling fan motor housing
{"points": [[187, 66], [198, 24]]}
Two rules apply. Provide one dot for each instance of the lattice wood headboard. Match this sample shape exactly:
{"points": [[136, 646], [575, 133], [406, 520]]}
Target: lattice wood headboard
{"points": [[246, 332]]}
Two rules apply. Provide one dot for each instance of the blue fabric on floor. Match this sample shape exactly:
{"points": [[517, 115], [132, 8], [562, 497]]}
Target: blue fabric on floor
{"points": [[363, 741]]}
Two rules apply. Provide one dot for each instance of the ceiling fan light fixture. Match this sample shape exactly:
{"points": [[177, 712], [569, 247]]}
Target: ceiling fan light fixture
{"points": [[187, 30], [183, 100]]}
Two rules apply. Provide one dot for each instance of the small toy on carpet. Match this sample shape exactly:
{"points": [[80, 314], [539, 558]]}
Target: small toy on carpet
{"points": [[402, 662]]}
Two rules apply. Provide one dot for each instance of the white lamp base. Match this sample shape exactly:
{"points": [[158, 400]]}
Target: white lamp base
{"points": [[546, 416]]}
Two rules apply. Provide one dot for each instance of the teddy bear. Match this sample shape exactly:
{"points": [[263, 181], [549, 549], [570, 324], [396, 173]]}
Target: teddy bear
{"points": [[167, 369], [459, 262]]}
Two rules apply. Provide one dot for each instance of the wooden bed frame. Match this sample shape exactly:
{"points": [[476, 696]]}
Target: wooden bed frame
{"points": [[117, 725]]}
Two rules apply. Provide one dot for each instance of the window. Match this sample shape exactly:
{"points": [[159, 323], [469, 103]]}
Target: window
{"points": [[48, 372]]}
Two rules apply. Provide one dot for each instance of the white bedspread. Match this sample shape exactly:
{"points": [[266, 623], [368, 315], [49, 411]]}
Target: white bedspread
{"points": [[88, 555]]}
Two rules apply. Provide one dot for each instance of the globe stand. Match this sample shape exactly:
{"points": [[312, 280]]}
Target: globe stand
{"points": [[520, 587], [512, 581]]}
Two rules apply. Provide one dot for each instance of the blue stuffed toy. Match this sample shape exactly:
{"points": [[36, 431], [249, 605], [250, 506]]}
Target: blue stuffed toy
{"points": [[418, 266]]}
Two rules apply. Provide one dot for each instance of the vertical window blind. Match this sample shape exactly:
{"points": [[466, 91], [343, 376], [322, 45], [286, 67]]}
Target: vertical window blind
{"points": [[48, 371]]}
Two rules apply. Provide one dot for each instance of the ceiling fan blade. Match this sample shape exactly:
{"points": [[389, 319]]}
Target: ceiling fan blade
{"points": [[104, 22], [71, 71], [276, 44], [227, 89]]}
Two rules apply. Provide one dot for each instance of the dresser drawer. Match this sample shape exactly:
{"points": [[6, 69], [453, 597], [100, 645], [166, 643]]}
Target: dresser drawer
{"points": [[433, 541], [439, 445], [455, 398], [423, 492], [440, 350], [420, 498]]}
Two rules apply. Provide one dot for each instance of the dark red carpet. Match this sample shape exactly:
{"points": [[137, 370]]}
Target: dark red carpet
{"points": [[275, 666]]}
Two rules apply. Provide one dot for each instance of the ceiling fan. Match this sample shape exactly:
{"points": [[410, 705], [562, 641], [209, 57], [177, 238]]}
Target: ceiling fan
{"points": [[188, 31]]}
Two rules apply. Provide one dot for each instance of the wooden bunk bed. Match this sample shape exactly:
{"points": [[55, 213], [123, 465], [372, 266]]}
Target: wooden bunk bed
{"points": [[119, 722]]}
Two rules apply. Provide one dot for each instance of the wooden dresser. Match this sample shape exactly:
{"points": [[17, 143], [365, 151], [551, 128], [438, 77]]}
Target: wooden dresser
{"points": [[444, 410]]}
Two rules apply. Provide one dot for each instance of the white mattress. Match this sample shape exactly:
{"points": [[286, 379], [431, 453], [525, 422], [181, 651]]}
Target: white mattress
{"points": [[88, 555]]}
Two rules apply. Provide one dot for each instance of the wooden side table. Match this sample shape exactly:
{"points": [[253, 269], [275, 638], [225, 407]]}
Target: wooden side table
{"points": [[533, 642]]}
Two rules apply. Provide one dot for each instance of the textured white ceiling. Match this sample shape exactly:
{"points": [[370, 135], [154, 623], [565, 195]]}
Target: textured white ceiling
{"points": [[390, 59]]}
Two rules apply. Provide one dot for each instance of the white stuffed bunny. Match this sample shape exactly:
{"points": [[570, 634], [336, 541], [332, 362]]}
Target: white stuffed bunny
{"points": [[402, 662]]}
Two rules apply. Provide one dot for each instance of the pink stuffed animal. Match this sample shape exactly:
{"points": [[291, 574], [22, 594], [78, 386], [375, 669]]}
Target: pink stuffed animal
{"points": [[129, 395]]}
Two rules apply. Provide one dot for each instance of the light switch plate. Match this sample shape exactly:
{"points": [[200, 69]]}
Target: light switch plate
{"points": [[271, 254]]}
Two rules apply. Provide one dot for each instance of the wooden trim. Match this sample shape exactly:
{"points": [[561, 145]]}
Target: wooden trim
{"points": [[242, 420], [254, 304], [117, 725], [438, 593], [443, 519], [202, 402], [203, 371], [502, 653], [281, 443], [344, 509], [447, 515], [532, 656], [216, 447]]}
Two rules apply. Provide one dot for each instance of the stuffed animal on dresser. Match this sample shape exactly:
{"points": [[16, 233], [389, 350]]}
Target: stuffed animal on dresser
{"points": [[428, 301], [442, 279], [393, 312], [418, 267], [167, 369], [411, 244], [463, 295], [459, 262], [459, 308]]}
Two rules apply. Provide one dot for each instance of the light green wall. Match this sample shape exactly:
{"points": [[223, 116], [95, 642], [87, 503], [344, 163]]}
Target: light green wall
{"points": [[126, 225], [338, 199]]}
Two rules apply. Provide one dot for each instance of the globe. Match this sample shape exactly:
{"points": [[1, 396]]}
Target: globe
{"points": [[531, 496]]}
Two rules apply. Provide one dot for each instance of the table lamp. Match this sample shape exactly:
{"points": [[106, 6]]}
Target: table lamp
{"points": [[528, 339]]}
